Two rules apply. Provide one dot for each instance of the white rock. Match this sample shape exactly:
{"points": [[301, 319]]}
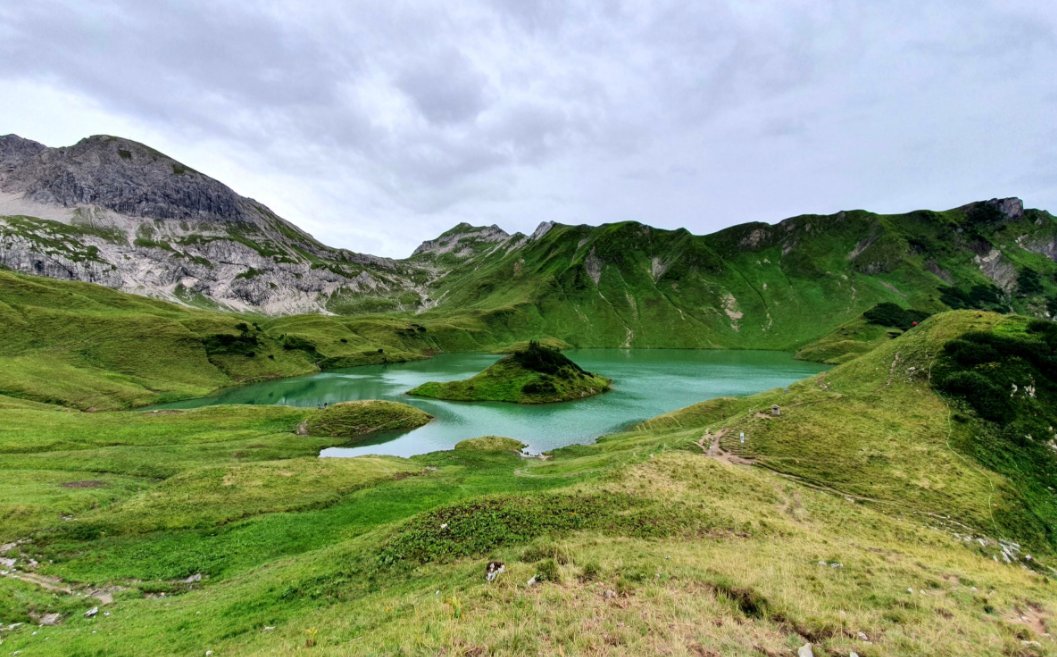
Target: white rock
{"points": [[805, 651], [91, 612]]}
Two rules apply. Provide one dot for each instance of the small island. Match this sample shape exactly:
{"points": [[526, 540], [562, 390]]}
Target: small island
{"points": [[357, 420], [534, 375]]}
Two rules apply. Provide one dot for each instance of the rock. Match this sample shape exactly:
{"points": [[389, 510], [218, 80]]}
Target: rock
{"points": [[609, 594], [91, 613], [805, 651], [209, 653], [493, 570], [154, 226], [197, 577], [50, 619], [861, 636], [532, 581]]}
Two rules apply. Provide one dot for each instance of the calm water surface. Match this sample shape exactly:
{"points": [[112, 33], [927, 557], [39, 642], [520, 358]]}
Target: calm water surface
{"points": [[646, 382]]}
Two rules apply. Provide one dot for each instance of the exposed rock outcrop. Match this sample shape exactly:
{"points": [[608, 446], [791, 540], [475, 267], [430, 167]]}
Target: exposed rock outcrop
{"points": [[115, 212]]}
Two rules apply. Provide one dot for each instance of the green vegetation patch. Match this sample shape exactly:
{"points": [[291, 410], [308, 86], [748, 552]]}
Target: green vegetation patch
{"points": [[491, 444], [476, 527], [1009, 378], [534, 375], [890, 314], [208, 497], [359, 418]]}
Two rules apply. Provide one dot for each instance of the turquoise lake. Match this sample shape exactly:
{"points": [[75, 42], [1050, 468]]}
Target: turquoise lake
{"points": [[646, 382]]}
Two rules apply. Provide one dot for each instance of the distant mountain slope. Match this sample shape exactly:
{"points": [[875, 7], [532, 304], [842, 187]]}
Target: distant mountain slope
{"points": [[118, 213], [756, 285]]}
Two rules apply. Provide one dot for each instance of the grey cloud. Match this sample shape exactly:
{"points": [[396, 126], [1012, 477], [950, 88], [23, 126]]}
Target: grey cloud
{"points": [[365, 116]]}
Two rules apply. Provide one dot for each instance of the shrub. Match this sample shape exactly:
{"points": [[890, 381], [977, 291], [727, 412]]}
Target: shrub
{"points": [[548, 571], [1028, 282], [890, 314], [979, 297], [591, 571]]}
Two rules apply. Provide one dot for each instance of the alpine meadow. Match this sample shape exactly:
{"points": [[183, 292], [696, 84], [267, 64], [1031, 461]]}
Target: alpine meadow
{"points": [[827, 435]]}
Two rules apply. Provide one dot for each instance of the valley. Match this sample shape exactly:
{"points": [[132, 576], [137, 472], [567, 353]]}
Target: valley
{"points": [[175, 358]]}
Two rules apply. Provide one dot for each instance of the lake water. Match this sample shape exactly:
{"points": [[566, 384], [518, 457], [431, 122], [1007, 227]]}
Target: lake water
{"points": [[646, 382]]}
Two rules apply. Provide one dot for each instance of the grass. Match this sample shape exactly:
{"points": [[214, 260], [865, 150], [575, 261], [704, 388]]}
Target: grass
{"points": [[534, 375], [361, 418], [491, 444], [874, 506]]}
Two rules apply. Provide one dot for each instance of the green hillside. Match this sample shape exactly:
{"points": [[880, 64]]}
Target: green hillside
{"points": [[755, 285], [874, 514], [89, 347]]}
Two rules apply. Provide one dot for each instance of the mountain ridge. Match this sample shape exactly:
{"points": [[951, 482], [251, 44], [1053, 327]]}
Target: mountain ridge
{"points": [[118, 213]]}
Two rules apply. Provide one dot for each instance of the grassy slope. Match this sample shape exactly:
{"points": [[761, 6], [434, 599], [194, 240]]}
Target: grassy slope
{"points": [[655, 548], [752, 285], [86, 346]]}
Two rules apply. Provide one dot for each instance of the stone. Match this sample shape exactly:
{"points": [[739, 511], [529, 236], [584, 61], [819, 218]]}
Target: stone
{"points": [[493, 569], [91, 613], [50, 619], [805, 651]]}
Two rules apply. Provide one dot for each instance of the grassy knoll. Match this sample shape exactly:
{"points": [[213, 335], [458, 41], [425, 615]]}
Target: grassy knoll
{"points": [[534, 375], [868, 524], [361, 418]]}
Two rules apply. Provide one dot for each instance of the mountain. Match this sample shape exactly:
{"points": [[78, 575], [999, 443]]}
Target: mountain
{"points": [[115, 212], [754, 285], [118, 213]]}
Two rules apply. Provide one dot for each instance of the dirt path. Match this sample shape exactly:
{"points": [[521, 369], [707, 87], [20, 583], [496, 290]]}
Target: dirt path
{"points": [[104, 595], [713, 449]]}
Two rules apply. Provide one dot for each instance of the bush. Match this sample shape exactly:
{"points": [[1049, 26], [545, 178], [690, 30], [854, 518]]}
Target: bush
{"points": [[990, 401], [978, 297], [591, 571], [890, 314], [225, 344], [548, 571], [545, 360], [1028, 282]]}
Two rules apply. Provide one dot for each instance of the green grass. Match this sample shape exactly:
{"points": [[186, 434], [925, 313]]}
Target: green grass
{"points": [[360, 418], [874, 504], [491, 444], [534, 375]]}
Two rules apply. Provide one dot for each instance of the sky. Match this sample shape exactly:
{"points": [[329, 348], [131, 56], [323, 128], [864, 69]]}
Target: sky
{"points": [[377, 125]]}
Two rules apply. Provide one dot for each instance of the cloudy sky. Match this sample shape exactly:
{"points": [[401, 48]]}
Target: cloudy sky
{"points": [[375, 125]]}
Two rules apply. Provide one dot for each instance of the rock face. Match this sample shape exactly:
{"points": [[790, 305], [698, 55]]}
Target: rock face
{"points": [[115, 212]]}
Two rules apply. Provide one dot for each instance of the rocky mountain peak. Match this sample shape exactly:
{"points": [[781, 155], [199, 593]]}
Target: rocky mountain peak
{"points": [[119, 175], [1000, 208], [461, 241], [14, 150]]}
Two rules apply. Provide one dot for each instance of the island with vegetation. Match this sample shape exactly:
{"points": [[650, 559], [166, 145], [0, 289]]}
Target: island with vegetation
{"points": [[355, 420], [536, 374]]}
